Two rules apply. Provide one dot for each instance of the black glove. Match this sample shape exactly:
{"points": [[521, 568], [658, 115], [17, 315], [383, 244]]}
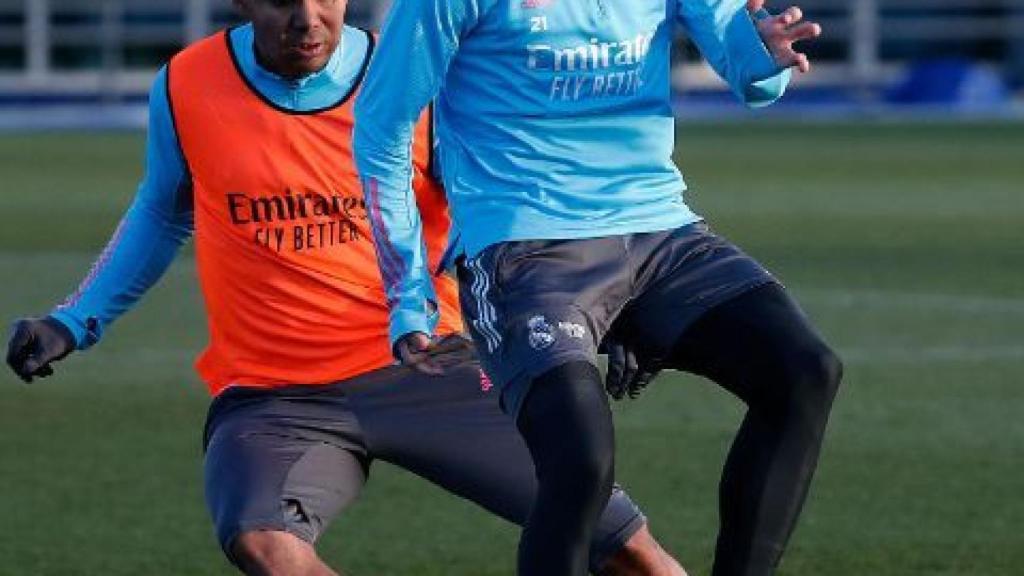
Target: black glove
{"points": [[627, 374], [35, 343]]}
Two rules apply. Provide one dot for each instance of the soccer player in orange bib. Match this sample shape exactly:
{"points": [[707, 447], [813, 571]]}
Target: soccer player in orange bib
{"points": [[249, 151]]}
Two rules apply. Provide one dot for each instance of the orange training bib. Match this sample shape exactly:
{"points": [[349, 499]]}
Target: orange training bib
{"points": [[284, 249]]}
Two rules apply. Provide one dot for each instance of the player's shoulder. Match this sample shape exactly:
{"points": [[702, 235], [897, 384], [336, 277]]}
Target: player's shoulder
{"points": [[357, 47], [218, 41], [359, 39]]}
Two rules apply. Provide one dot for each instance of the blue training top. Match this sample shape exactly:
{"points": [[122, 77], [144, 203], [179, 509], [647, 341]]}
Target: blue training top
{"points": [[553, 117], [159, 220]]}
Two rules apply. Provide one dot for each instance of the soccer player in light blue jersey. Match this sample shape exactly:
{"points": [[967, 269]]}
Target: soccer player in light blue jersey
{"points": [[295, 427], [555, 134]]}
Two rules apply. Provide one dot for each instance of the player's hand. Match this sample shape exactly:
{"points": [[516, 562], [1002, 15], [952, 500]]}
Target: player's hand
{"points": [[627, 374], [780, 32], [36, 343], [419, 352]]}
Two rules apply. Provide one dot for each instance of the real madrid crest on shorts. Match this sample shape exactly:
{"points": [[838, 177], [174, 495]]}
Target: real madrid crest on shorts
{"points": [[542, 333]]}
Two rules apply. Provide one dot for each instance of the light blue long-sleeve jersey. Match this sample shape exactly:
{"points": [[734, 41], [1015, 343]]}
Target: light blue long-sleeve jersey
{"points": [[553, 117], [160, 218]]}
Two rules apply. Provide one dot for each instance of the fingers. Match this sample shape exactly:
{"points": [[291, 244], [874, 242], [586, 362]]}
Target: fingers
{"points": [[802, 63], [782, 31], [448, 351], [614, 382], [640, 382], [622, 370], [19, 347], [422, 362], [448, 345], [788, 57], [35, 344], [791, 16], [803, 31], [414, 352], [629, 371], [34, 366], [754, 5]]}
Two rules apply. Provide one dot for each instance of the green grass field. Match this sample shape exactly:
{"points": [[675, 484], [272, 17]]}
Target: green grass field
{"points": [[905, 243]]}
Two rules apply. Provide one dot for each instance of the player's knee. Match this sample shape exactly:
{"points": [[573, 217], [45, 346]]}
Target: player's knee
{"points": [[595, 461], [594, 456], [567, 424], [272, 553], [642, 555], [813, 375], [820, 372]]}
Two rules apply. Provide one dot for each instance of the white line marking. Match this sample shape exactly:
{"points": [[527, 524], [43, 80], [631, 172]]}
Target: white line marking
{"points": [[923, 301], [930, 354]]}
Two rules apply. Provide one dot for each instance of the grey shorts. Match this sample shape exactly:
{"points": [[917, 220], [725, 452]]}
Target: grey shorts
{"points": [[291, 459], [534, 305]]}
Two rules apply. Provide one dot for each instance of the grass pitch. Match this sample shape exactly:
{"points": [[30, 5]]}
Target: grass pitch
{"points": [[905, 243]]}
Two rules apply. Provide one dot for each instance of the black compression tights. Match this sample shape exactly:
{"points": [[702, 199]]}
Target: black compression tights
{"points": [[760, 347], [567, 425]]}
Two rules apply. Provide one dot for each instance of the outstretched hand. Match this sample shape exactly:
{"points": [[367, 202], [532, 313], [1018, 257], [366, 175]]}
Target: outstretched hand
{"points": [[35, 343], [627, 373], [781, 31]]}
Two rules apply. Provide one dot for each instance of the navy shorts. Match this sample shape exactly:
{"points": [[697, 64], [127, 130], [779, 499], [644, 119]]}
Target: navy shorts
{"points": [[291, 459], [534, 305]]}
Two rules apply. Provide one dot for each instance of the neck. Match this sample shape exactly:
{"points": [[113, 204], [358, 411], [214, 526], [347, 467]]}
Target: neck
{"points": [[269, 66]]}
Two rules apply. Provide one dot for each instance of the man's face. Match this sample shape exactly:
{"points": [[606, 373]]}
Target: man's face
{"points": [[294, 38]]}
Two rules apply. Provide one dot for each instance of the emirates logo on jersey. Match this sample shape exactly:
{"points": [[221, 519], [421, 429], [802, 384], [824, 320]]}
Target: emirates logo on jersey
{"points": [[592, 70], [296, 221], [536, 4]]}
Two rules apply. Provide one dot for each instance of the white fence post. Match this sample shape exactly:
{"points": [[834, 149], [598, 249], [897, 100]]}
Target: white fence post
{"points": [[37, 39], [197, 20], [864, 43], [111, 46]]}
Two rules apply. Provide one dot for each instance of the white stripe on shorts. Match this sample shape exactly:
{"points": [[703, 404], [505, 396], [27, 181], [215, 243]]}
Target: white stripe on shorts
{"points": [[486, 315]]}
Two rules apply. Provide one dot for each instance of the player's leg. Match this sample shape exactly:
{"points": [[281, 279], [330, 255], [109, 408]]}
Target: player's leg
{"points": [[708, 308], [276, 553], [642, 555], [566, 424], [555, 300], [761, 347], [451, 431], [272, 483]]}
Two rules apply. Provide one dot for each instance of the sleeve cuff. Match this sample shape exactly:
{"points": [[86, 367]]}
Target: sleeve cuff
{"points": [[763, 81], [768, 91], [86, 333], [405, 321], [761, 65]]}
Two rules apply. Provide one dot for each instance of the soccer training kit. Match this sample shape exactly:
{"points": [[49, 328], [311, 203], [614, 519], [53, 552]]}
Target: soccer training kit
{"points": [[553, 123], [555, 133], [553, 118], [534, 305], [310, 447], [261, 168]]}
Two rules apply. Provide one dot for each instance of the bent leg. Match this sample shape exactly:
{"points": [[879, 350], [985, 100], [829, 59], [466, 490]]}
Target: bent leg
{"points": [[271, 491], [452, 432], [566, 423], [761, 347], [276, 553], [642, 556]]}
